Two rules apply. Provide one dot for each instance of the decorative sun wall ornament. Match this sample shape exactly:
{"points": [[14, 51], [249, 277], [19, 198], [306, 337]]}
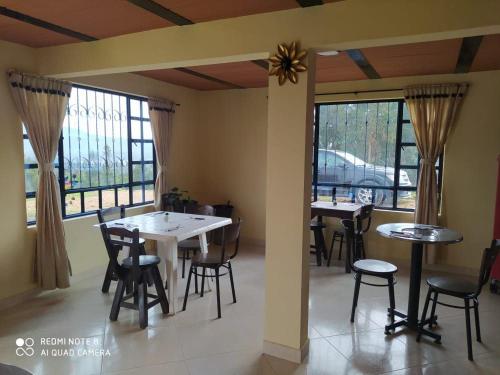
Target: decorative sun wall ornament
{"points": [[287, 63]]}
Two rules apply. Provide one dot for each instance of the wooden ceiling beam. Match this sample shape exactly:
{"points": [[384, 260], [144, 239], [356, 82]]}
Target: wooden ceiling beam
{"points": [[161, 11], [309, 3], [208, 78], [359, 58], [261, 63], [468, 50], [45, 25]]}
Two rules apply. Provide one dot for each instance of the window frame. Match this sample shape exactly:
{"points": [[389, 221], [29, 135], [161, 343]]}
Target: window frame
{"points": [[130, 184], [399, 147]]}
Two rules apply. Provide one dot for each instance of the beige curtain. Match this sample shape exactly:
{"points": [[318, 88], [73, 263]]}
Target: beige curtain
{"points": [[161, 115], [41, 104], [433, 110]]}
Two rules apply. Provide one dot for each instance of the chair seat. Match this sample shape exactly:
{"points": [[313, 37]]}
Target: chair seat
{"points": [[316, 225], [189, 244], [209, 259], [144, 261], [452, 285], [374, 267]]}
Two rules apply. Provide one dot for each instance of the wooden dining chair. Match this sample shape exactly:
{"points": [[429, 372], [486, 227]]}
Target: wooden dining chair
{"points": [[216, 259], [319, 247], [133, 270], [463, 289], [369, 267], [363, 222], [106, 215], [193, 244]]}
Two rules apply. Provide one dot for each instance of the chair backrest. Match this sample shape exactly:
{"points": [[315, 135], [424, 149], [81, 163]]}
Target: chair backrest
{"points": [[224, 210], [108, 214], [350, 240], [115, 238], [365, 214], [228, 235], [200, 210], [487, 261]]}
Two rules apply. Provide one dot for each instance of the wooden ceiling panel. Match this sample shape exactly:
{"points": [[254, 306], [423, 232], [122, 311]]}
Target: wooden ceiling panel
{"points": [[337, 68], [438, 57], [22, 33], [203, 10], [245, 74], [97, 18], [183, 79], [488, 55]]}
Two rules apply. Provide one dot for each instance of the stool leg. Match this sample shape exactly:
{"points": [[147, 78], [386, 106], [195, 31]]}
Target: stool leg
{"points": [[392, 300], [159, 290], [143, 304], [424, 312], [218, 292], [232, 281], [317, 247], [340, 248], [107, 278], [202, 282], [433, 309], [331, 251], [187, 289], [115, 308], [356, 294], [183, 262]]}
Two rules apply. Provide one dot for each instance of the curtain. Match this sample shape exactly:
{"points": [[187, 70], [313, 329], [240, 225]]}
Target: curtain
{"points": [[433, 110], [161, 115], [41, 104]]}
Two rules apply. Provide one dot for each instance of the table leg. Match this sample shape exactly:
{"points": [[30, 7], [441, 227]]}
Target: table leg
{"points": [[415, 277], [167, 251]]}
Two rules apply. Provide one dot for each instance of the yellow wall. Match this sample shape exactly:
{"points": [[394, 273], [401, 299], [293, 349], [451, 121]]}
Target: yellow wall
{"points": [[232, 165], [84, 244]]}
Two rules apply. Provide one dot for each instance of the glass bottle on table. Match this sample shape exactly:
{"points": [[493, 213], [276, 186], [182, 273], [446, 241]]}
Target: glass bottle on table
{"points": [[334, 196]]}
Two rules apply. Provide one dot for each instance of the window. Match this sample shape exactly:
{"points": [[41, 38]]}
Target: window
{"points": [[107, 153], [367, 151]]}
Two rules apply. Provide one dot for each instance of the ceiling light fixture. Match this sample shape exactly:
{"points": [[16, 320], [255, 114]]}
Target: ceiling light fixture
{"points": [[328, 53]]}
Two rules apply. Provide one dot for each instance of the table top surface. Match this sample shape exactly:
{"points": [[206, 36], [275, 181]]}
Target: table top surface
{"points": [[178, 226], [340, 206], [427, 234]]}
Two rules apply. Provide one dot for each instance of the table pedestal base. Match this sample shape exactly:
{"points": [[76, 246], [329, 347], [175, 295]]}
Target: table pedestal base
{"points": [[419, 327]]}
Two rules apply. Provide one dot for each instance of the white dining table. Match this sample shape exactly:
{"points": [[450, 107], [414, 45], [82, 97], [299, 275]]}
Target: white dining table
{"points": [[168, 230]]}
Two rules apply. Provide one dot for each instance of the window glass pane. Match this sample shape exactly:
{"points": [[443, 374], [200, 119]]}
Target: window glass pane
{"points": [[91, 201], [137, 194], [137, 172], [146, 129], [145, 109], [31, 179], [149, 193], [408, 133], [406, 114], [148, 151], [136, 151], [148, 172], [409, 155], [108, 198], [73, 204], [29, 154], [123, 196], [406, 199], [136, 129], [135, 108], [408, 177], [31, 209]]}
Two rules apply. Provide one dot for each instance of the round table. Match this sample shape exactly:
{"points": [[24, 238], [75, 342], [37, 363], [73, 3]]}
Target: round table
{"points": [[419, 235]]}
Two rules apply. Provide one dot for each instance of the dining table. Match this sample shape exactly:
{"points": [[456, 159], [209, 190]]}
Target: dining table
{"points": [[168, 229], [340, 210], [418, 235]]}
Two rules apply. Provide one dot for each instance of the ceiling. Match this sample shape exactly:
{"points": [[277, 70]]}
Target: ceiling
{"points": [[439, 57], [44, 23]]}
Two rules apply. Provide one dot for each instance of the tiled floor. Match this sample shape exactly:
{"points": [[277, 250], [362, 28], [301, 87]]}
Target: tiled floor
{"points": [[194, 343]]}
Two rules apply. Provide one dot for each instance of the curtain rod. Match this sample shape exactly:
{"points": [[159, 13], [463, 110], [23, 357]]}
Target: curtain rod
{"points": [[356, 92]]}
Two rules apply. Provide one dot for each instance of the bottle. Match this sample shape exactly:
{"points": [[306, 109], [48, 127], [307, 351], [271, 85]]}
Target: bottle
{"points": [[334, 196]]}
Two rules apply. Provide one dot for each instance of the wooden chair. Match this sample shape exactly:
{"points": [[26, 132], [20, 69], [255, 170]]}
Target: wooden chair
{"points": [[336, 235], [463, 289], [319, 240], [365, 215], [133, 270], [193, 244], [216, 259], [368, 267], [105, 215]]}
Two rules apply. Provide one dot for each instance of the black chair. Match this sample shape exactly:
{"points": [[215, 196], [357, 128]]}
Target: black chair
{"points": [[368, 267], [135, 270], [365, 215], [336, 235], [463, 289], [319, 240], [224, 210], [105, 215], [216, 259], [193, 244]]}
